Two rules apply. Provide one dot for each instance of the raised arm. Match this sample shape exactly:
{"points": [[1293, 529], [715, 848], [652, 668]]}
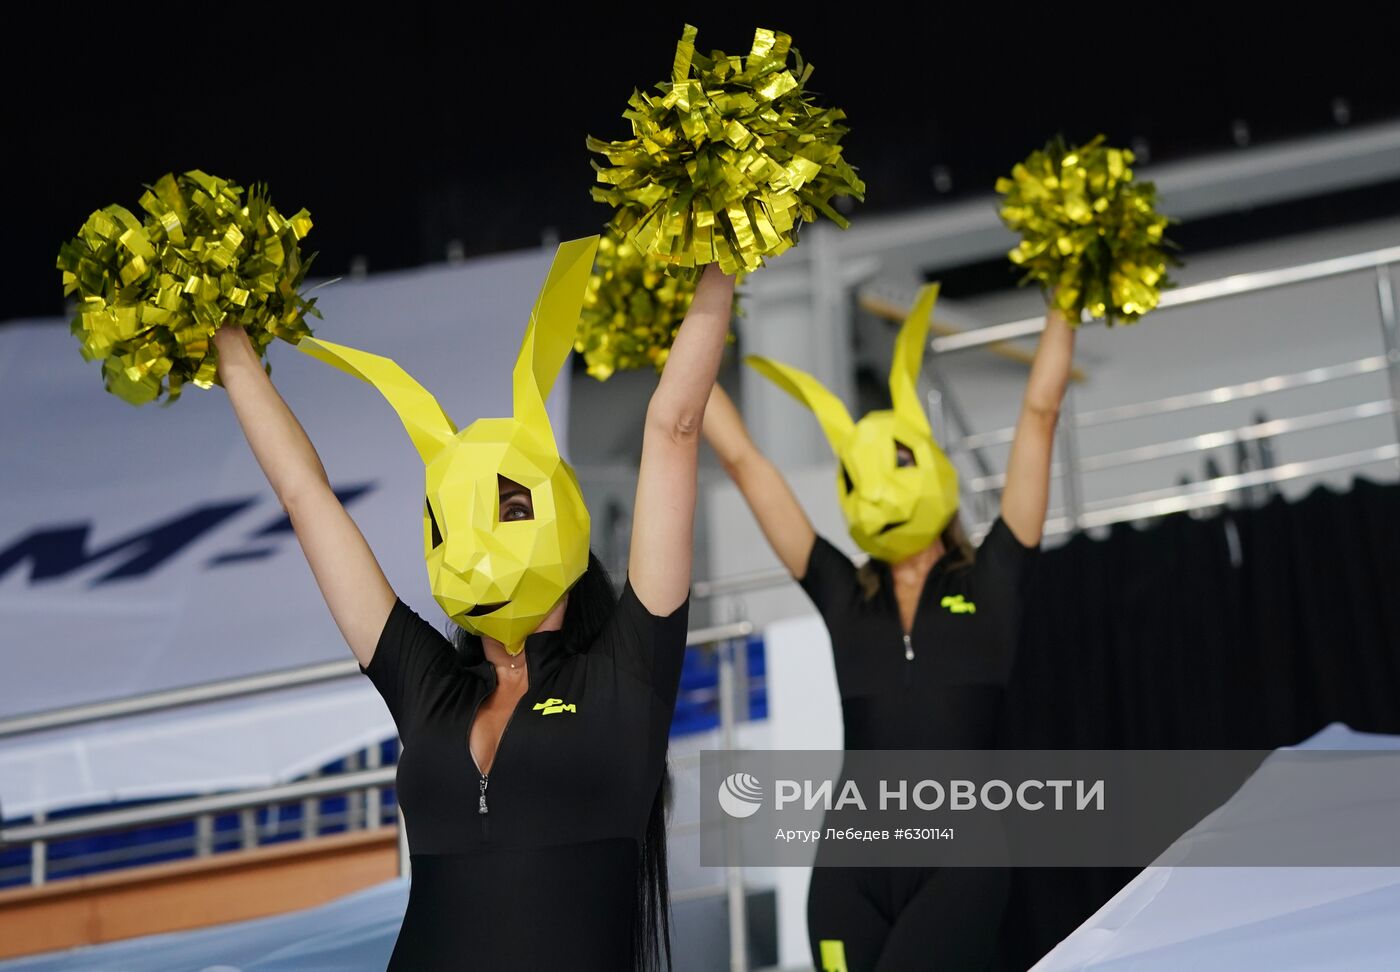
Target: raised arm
{"points": [[663, 517], [780, 516], [1027, 492], [350, 579]]}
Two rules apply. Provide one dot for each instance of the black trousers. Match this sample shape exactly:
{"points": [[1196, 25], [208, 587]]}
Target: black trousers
{"points": [[888, 919]]}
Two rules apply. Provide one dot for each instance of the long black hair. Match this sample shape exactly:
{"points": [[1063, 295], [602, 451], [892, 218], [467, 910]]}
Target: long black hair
{"points": [[591, 603]]}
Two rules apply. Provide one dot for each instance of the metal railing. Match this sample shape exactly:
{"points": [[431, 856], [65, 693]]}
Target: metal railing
{"points": [[362, 788], [249, 685], [188, 809], [1231, 286], [1076, 513]]}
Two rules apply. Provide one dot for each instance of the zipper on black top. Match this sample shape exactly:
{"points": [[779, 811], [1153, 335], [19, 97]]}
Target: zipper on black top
{"points": [[908, 649], [483, 779]]}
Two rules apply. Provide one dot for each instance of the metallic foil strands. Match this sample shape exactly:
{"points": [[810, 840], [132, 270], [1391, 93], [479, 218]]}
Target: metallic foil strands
{"points": [[631, 309], [727, 160], [1088, 230], [152, 290]]}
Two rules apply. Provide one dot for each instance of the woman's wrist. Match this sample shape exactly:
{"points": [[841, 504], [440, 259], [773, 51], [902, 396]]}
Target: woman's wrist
{"points": [[235, 349]]}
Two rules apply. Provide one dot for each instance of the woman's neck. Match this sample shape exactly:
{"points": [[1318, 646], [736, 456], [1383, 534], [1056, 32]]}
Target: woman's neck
{"points": [[496, 653], [911, 571]]}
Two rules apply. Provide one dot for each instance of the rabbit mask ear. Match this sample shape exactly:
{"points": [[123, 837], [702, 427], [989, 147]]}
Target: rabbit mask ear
{"points": [[909, 347], [830, 410], [549, 335], [427, 424]]}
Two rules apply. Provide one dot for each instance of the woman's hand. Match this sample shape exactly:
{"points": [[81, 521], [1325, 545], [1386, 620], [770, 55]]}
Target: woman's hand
{"points": [[230, 339]]}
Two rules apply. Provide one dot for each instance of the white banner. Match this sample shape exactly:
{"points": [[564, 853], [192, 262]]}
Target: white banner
{"points": [[141, 548]]}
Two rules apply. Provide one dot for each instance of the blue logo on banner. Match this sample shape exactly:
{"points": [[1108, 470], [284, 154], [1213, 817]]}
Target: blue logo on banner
{"points": [[57, 551]]}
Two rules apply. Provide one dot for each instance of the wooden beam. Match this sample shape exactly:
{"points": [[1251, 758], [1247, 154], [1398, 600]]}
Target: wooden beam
{"points": [[893, 312]]}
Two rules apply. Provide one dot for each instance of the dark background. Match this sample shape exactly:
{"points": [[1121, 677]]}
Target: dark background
{"points": [[404, 126]]}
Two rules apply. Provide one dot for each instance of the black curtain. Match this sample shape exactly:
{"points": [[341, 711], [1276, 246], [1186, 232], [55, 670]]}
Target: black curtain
{"points": [[1245, 629]]}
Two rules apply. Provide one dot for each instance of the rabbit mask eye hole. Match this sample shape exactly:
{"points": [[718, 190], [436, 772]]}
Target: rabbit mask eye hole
{"points": [[846, 479], [432, 520], [903, 455], [516, 502]]}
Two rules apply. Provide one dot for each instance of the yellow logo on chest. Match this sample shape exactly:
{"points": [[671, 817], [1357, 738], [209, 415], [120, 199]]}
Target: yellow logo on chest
{"points": [[551, 706], [956, 604]]}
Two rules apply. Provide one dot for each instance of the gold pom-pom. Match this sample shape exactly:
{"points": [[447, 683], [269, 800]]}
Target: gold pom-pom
{"points": [[1088, 231], [631, 309], [154, 290], [728, 159]]}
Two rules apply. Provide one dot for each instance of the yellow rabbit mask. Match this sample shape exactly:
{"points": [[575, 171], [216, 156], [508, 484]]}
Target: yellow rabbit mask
{"points": [[893, 511], [495, 577]]}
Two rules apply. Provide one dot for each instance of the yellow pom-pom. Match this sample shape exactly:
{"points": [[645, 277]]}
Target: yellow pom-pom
{"points": [[631, 309], [1088, 230], [729, 158], [152, 291]]}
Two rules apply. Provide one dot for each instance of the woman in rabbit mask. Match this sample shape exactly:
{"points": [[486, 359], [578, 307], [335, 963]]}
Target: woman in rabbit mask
{"points": [[923, 633], [543, 846]]}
